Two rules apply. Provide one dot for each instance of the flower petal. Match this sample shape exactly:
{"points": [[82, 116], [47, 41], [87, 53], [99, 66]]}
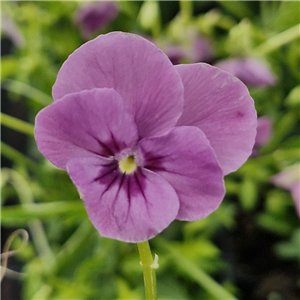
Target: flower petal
{"points": [[92, 121], [220, 105], [140, 72], [130, 208], [186, 160]]}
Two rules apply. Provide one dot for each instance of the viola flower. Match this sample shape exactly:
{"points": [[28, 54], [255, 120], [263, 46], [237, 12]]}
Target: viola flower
{"points": [[289, 179], [251, 71], [144, 142], [93, 17]]}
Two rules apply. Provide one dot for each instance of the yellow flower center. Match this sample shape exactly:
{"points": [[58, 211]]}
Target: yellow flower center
{"points": [[127, 165]]}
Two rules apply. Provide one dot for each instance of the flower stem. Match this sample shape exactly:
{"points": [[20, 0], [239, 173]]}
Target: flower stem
{"points": [[16, 124], [21, 88], [16, 156], [279, 40], [148, 270], [186, 9]]}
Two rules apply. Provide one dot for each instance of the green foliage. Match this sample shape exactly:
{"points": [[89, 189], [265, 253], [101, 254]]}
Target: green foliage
{"points": [[65, 257]]}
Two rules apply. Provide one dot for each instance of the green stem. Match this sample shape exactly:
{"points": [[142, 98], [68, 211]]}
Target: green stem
{"points": [[16, 156], [191, 270], [39, 237], [148, 270], [186, 9], [17, 124], [28, 91], [279, 40]]}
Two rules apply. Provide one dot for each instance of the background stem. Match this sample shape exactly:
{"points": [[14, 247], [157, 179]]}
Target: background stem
{"points": [[194, 272], [279, 40], [186, 9]]}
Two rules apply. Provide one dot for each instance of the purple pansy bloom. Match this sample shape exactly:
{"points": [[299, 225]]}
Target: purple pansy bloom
{"points": [[289, 179], [251, 71], [144, 142], [93, 17]]}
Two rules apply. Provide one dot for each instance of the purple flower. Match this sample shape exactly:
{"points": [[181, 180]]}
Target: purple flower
{"points": [[198, 50], [93, 17], [175, 53], [264, 132], [252, 72], [289, 179], [12, 31], [143, 141]]}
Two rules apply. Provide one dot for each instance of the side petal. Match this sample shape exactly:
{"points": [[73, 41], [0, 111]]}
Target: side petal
{"points": [[140, 72], [186, 160], [220, 105], [130, 208], [93, 121]]}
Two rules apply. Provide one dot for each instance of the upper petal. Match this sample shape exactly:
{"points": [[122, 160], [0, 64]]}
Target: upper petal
{"points": [[220, 105], [140, 72], [186, 160], [92, 121], [130, 208]]}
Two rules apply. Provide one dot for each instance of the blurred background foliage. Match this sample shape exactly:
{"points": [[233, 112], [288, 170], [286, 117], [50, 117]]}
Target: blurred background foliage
{"points": [[250, 245]]}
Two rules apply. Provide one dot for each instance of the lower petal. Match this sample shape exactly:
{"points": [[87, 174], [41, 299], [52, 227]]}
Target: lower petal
{"points": [[130, 208], [186, 160]]}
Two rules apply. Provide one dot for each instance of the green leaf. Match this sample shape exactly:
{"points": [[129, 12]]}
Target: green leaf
{"points": [[274, 223], [17, 215], [240, 9], [149, 16], [293, 98], [290, 249], [9, 66], [16, 124], [248, 194]]}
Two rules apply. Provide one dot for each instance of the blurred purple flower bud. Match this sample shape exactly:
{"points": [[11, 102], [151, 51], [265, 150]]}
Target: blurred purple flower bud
{"points": [[175, 53], [11, 30], [252, 72], [199, 50], [289, 179], [264, 131], [93, 17]]}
